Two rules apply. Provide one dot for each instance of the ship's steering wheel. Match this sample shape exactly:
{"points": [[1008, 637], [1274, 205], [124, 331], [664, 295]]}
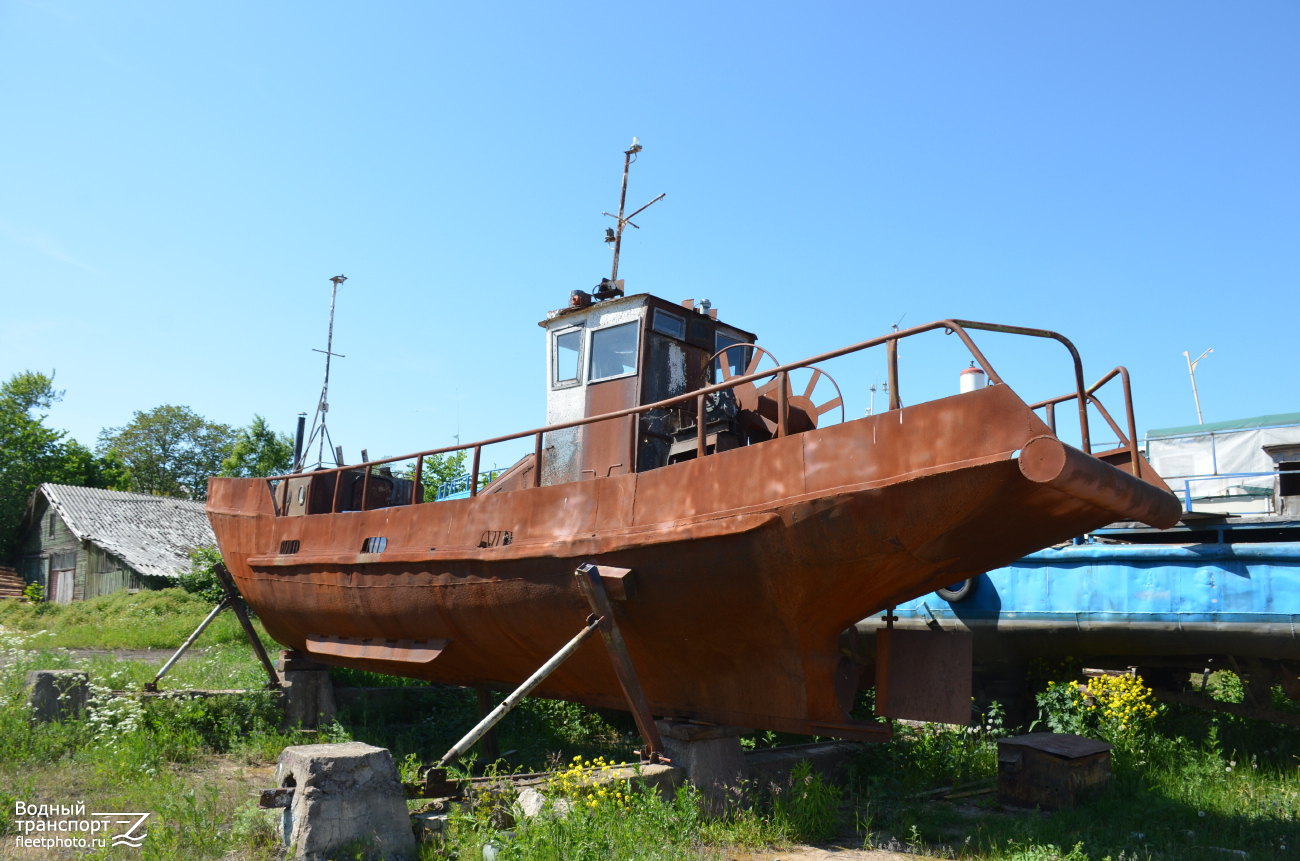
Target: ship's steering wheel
{"points": [[757, 399]]}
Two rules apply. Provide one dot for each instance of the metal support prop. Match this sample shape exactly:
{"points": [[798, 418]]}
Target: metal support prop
{"points": [[417, 492], [237, 604], [458, 750], [590, 582], [153, 686], [365, 487]]}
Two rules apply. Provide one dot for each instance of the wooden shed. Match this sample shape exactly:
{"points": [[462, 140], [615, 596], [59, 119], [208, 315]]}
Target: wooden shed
{"points": [[82, 542]]}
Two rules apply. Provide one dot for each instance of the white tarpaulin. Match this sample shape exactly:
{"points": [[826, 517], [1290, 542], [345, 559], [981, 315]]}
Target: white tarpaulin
{"points": [[1226, 453]]}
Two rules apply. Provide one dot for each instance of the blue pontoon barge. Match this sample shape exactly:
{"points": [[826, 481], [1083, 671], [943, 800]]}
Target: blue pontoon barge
{"points": [[1219, 591]]}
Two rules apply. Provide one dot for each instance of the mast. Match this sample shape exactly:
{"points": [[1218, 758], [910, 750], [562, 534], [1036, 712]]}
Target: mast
{"points": [[611, 286], [319, 427]]}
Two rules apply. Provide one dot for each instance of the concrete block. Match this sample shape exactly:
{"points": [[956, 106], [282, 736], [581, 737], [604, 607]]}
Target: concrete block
{"points": [[57, 694], [829, 758], [308, 698], [344, 794], [711, 757]]}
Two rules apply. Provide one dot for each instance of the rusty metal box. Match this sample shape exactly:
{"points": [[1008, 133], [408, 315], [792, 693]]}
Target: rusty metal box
{"points": [[1051, 770]]}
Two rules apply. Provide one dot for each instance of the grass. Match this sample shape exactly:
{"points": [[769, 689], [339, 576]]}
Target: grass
{"points": [[149, 619], [1187, 784]]}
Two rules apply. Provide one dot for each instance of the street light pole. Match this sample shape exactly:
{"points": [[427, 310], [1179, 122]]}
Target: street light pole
{"points": [[1191, 372]]}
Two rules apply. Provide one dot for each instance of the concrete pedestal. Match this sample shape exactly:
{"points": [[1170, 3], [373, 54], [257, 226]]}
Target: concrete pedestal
{"points": [[710, 755], [344, 794], [57, 694], [308, 691]]}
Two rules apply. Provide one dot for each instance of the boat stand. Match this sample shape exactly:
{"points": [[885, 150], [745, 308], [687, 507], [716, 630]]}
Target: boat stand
{"points": [[234, 601], [592, 579]]}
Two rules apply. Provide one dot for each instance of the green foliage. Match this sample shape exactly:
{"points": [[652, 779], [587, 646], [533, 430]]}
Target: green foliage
{"points": [[439, 469], [1112, 707], [201, 579], [808, 804], [641, 825], [258, 451], [30, 390], [169, 450], [34, 593], [1064, 708], [32, 453]]}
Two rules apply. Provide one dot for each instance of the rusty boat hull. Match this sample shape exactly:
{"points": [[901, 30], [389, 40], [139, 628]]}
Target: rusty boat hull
{"points": [[749, 563]]}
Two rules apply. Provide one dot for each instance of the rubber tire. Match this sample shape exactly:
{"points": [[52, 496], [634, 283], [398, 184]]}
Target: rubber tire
{"points": [[959, 591]]}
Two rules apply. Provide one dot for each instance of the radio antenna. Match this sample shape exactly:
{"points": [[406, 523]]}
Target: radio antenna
{"points": [[318, 422], [611, 286]]}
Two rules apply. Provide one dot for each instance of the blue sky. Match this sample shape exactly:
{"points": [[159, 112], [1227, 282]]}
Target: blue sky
{"points": [[178, 182]]}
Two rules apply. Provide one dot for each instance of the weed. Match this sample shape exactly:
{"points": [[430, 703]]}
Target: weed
{"points": [[809, 806]]}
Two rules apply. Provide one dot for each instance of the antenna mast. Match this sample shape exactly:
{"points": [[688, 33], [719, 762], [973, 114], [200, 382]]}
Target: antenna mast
{"points": [[611, 286], [323, 407]]}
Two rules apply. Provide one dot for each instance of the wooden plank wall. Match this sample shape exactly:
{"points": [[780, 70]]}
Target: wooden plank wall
{"points": [[97, 571]]}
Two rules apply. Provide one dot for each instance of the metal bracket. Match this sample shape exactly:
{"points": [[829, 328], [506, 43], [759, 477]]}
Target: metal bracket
{"points": [[591, 582]]}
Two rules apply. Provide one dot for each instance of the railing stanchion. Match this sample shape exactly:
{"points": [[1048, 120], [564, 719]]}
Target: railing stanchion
{"points": [[1132, 424], [701, 433], [473, 476], [417, 492], [338, 486], [782, 395], [537, 460], [892, 350], [1050, 410], [890, 341]]}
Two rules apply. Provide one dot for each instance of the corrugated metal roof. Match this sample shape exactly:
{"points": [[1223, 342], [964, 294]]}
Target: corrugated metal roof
{"points": [[1279, 420], [152, 534]]}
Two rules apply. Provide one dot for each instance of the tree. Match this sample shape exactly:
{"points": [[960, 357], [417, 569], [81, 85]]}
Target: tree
{"points": [[30, 390], [32, 453], [439, 469], [201, 579], [259, 451], [169, 450]]}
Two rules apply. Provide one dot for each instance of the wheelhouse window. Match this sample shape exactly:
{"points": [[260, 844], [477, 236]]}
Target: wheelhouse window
{"points": [[737, 357], [568, 355], [613, 351], [670, 324]]}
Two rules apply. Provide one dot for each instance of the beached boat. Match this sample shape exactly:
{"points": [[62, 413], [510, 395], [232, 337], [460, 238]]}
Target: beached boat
{"points": [[756, 531]]}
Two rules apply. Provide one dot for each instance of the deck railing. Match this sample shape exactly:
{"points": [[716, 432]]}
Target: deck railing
{"points": [[781, 372]]}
